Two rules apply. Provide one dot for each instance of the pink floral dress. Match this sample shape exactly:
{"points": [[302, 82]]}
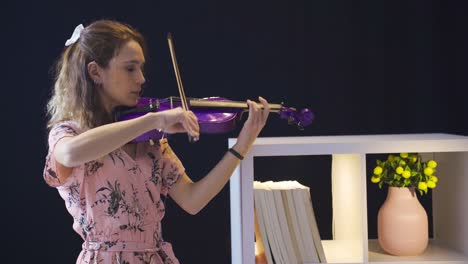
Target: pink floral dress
{"points": [[116, 201]]}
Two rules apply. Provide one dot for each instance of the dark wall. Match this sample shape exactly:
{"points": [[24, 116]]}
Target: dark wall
{"points": [[363, 67]]}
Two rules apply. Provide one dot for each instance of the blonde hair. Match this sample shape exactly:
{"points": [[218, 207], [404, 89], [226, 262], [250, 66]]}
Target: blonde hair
{"points": [[74, 96]]}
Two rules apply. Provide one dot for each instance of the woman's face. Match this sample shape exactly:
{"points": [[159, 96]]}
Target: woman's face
{"points": [[122, 79]]}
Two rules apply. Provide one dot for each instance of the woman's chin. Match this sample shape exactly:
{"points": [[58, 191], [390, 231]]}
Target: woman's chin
{"points": [[133, 101], [135, 98]]}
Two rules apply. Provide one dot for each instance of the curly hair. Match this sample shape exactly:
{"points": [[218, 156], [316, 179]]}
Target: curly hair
{"points": [[74, 95]]}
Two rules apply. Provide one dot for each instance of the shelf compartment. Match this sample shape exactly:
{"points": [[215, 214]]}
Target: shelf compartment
{"points": [[435, 253]]}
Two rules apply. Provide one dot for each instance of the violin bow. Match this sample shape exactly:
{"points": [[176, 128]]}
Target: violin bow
{"points": [[183, 99]]}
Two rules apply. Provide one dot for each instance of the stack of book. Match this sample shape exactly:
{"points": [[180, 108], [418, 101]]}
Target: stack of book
{"points": [[285, 226]]}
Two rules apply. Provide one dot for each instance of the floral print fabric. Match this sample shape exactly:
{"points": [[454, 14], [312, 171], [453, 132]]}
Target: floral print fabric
{"points": [[115, 201]]}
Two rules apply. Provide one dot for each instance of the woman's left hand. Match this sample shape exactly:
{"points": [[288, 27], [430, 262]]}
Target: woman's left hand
{"points": [[254, 124]]}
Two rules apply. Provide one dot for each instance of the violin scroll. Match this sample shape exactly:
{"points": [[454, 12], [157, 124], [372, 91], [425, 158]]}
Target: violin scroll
{"points": [[301, 118]]}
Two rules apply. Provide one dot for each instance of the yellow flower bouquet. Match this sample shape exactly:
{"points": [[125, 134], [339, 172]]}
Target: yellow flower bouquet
{"points": [[406, 170]]}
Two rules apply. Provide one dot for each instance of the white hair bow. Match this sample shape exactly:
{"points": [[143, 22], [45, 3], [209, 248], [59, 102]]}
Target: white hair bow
{"points": [[75, 36]]}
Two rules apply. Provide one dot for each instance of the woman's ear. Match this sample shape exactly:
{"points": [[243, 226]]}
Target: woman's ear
{"points": [[94, 72]]}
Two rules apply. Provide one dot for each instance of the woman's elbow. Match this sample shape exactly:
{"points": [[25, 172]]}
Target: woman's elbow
{"points": [[65, 156], [191, 208]]}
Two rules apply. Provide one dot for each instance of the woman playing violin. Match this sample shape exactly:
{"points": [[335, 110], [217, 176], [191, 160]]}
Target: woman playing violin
{"points": [[111, 187]]}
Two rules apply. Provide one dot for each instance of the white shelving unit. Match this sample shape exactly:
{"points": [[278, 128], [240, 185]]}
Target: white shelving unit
{"points": [[350, 242]]}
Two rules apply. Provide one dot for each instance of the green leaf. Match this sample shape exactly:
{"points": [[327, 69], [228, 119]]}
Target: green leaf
{"points": [[418, 166], [384, 174]]}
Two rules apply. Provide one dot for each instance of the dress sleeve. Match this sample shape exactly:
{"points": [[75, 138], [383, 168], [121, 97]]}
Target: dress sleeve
{"points": [[59, 131], [172, 168]]}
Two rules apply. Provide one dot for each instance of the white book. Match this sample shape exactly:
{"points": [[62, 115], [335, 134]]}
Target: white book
{"points": [[313, 224], [286, 240], [286, 223], [260, 216], [270, 227], [280, 254], [311, 254], [293, 221]]}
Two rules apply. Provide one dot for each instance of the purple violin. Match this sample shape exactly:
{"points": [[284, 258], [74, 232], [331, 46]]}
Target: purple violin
{"points": [[215, 115]]}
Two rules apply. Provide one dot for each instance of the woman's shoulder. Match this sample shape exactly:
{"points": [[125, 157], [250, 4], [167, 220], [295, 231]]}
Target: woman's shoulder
{"points": [[66, 126]]}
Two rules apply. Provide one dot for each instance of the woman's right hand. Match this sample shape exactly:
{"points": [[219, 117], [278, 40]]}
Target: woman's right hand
{"points": [[178, 120]]}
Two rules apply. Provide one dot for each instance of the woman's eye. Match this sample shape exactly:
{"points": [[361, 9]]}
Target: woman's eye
{"points": [[130, 69]]}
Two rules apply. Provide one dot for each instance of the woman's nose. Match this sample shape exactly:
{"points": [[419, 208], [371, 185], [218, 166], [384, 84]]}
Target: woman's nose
{"points": [[141, 78]]}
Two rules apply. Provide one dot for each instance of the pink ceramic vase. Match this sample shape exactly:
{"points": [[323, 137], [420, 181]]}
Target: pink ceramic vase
{"points": [[402, 223]]}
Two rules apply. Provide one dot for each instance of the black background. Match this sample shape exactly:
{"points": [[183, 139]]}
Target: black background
{"points": [[363, 67]]}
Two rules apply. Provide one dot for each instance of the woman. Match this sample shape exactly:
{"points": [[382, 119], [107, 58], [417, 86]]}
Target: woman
{"points": [[112, 187]]}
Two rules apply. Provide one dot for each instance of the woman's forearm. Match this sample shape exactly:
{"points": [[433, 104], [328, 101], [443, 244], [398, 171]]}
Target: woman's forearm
{"points": [[100, 141], [202, 191], [194, 196]]}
